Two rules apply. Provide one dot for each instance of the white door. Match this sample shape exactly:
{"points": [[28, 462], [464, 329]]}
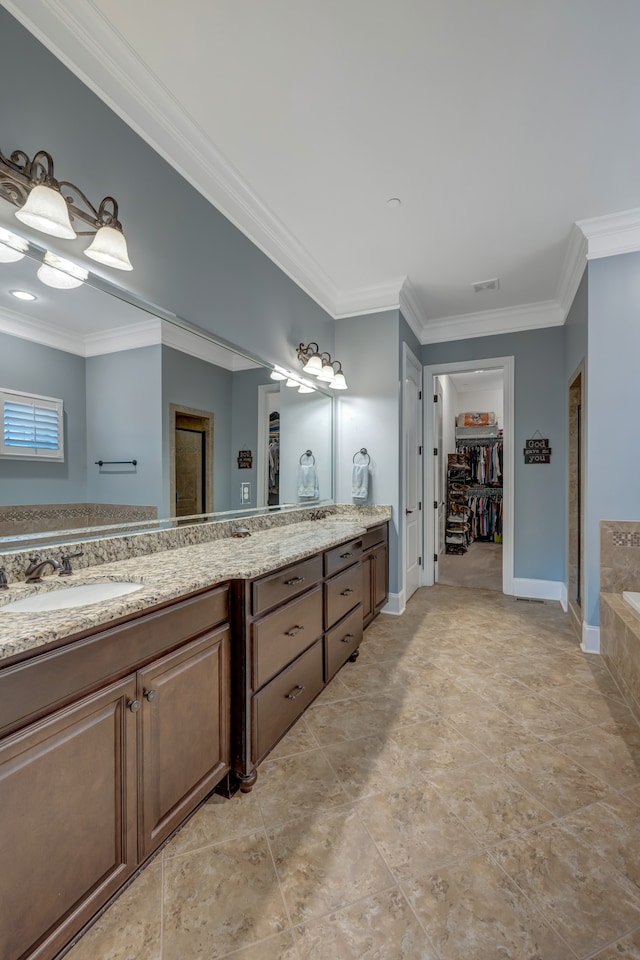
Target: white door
{"points": [[440, 477], [412, 460]]}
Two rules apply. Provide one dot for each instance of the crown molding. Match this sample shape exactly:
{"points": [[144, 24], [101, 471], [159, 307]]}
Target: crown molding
{"points": [[370, 299], [575, 261], [147, 333], [79, 35], [39, 331], [186, 342], [612, 234], [528, 316], [411, 308]]}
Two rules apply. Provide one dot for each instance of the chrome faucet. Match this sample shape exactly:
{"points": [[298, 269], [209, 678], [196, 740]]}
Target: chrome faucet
{"points": [[33, 573], [3, 579]]}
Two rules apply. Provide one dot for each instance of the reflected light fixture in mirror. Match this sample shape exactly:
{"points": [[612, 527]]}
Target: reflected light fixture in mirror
{"points": [[50, 206], [12, 247], [61, 274]]}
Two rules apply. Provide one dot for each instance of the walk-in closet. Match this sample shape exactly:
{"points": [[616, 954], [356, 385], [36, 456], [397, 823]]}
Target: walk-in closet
{"points": [[470, 466]]}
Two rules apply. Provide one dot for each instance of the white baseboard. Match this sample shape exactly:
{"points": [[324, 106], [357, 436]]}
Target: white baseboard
{"points": [[538, 589], [590, 639], [395, 604], [564, 597]]}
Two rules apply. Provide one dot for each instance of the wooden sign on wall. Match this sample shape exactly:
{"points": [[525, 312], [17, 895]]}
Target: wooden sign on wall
{"points": [[537, 450], [245, 459]]}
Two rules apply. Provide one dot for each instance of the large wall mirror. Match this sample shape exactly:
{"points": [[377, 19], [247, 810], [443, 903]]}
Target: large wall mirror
{"points": [[207, 427]]}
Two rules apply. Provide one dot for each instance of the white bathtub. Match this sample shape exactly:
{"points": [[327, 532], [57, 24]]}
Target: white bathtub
{"points": [[633, 599]]}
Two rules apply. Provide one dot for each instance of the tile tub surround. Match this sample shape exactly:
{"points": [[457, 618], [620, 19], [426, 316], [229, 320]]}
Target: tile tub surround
{"points": [[123, 546], [620, 646], [469, 788], [619, 555], [168, 575]]}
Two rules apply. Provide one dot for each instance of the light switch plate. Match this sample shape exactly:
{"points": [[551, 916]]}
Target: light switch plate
{"points": [[245, 493]]}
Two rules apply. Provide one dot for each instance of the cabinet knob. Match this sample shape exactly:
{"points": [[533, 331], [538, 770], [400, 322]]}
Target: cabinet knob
{"points": [[150, 694], [133, 705], [290, 583], [297, 690], [348, 637], [343, 556], [294, 630], [347, 592]]}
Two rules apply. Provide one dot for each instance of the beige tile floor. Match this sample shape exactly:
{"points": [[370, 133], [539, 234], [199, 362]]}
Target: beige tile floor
{"points": [[468, 790]]}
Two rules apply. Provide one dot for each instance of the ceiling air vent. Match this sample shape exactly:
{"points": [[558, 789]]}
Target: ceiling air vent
{"points": [[483, 285]]}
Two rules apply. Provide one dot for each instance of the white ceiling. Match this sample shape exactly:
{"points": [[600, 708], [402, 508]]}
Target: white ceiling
{"points": [[472, 381], [498, 124]]}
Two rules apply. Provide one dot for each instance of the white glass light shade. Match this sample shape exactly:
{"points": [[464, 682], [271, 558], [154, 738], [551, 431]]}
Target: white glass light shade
{"points": [[61, 274], [303, 388], [110, 247], [339, 382], [292, 383], [46, 210], [276, 375], [327, 373], [12, 247], [313, 365]]}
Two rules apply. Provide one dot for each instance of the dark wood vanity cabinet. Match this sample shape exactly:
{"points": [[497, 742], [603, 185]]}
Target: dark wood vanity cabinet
{"points": [[92, 787], [375, 572]]}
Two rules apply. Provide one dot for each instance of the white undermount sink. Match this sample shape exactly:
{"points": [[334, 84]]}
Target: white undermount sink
{"points": [[67, 597]]}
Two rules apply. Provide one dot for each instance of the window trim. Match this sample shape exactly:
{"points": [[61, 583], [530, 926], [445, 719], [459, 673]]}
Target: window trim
{"points": [[34, 453]]}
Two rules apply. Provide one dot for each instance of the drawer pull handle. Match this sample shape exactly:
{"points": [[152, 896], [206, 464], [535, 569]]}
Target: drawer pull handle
{"points": [[297, 690], [348, 637], [294, 630], [150, 694], [133, 705], [343, 556], [347, 592], [290, 583]]}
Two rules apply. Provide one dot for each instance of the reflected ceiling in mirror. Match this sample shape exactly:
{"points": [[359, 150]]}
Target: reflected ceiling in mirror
{"points": [[209, 430]]}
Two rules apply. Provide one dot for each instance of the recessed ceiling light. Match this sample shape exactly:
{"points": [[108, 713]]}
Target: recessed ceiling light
{"points": [[23, 295], [394, 202]]}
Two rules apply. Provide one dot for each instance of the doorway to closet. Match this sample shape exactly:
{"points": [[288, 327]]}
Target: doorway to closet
{"points": [[470, 476]]}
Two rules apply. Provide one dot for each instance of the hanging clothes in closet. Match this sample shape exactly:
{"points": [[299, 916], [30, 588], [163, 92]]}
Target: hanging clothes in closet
{"points": [[485, 461]]}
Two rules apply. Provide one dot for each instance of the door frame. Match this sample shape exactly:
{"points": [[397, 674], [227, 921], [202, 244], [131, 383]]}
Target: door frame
{"points": [[262, 473], [408, 356], [507, 365], [207, 416]]}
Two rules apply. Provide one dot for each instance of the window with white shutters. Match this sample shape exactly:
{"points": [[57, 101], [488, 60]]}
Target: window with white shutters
{"points": [[32, 427]]}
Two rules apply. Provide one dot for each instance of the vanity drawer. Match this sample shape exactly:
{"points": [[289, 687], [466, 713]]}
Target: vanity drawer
{"points": [[341, 594], [282, 701], [374, 536], [280, 636], [33, 687], [341, 641], [340, 557], [270, 591]]}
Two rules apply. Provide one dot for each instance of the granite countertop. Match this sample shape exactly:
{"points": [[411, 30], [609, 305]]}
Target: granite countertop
{"points": [[165, 576]]}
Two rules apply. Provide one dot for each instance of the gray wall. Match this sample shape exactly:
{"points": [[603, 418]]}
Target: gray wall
{"points": [[123, 423], [34, 368], [187, 257], [192, 382], [540, 529], [367, 346], [613, 450]]}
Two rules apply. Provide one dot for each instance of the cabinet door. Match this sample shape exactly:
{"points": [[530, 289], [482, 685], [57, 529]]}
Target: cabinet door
{"points": [[184, 733], [367, 588], [381, 577], [68, 823]]}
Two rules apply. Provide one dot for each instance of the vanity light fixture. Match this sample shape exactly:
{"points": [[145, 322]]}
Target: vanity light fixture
{"points": [[305, 388], [12, 247], [61, 274], [278, 374], [321, 366], [51, 205], [290, 382]]}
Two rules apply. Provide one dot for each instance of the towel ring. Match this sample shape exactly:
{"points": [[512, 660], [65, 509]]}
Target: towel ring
{"points": [[308, 453], [363, 452]]}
